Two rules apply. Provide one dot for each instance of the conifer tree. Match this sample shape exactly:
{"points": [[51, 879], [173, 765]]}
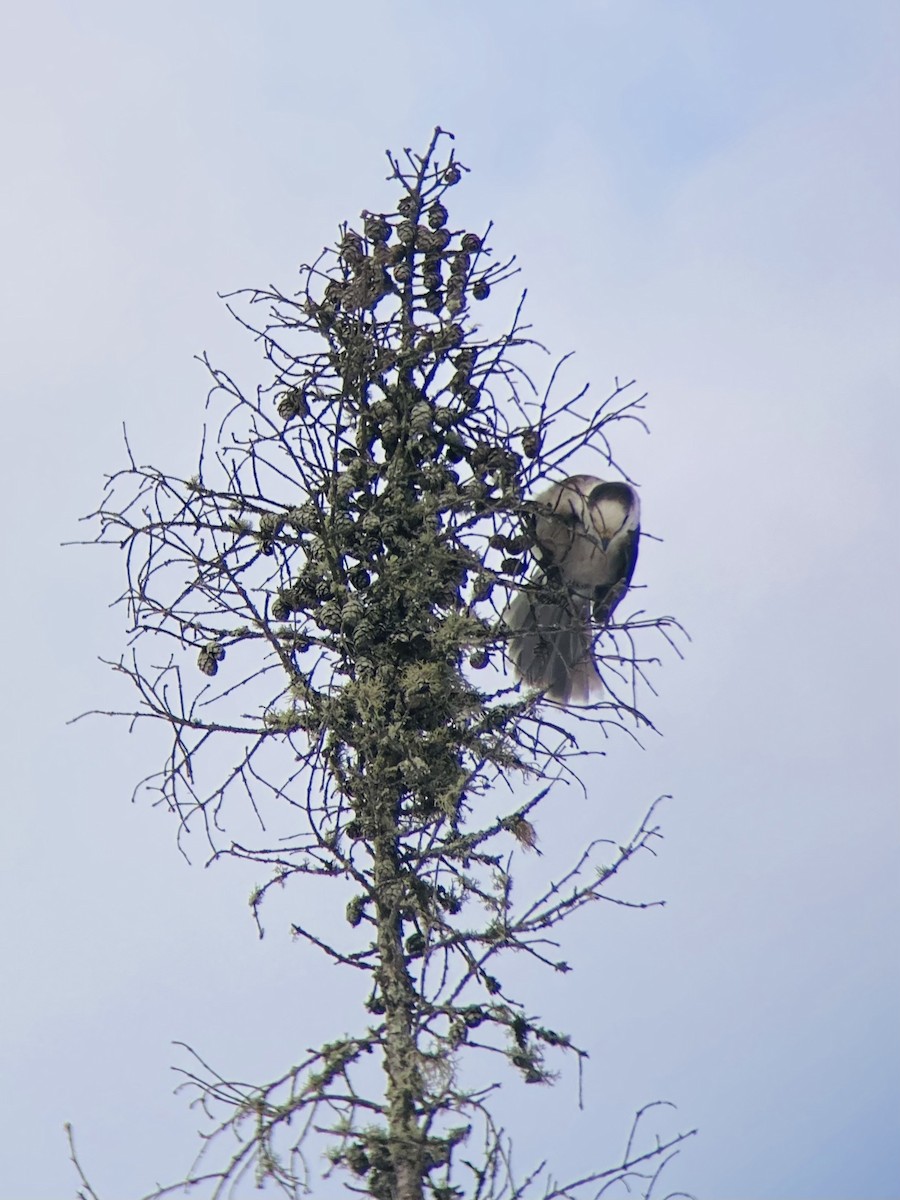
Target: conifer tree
{"points": [[317, 618]]}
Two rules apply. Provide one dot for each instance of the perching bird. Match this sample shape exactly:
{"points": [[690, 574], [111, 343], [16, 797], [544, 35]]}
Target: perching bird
{"points": [[585, 547]]}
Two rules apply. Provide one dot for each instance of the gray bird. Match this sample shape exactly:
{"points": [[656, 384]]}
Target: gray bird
{"points": [[586, 534]]}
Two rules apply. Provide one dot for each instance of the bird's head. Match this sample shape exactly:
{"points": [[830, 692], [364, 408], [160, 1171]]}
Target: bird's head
{"points": [[612, 508]]}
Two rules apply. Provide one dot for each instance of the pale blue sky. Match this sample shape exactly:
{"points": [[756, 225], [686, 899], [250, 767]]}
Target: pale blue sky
{"points": [[701, 195]]}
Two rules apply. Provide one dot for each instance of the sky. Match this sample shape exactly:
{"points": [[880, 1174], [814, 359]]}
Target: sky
{"points": [[701, 196]]}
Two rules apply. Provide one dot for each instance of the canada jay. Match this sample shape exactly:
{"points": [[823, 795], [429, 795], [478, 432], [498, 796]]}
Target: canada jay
{"points": [[585, 546]]}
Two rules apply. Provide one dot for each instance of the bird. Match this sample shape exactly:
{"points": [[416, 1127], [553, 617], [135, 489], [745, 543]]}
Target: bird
{"points": [[585, 542]]}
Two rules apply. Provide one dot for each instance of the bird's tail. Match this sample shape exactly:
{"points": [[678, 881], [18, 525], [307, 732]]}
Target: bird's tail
{"points": [[551, 647]]}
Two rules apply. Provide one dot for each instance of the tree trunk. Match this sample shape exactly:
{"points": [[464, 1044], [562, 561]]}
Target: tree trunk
{"points": [[400, 1056]]}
